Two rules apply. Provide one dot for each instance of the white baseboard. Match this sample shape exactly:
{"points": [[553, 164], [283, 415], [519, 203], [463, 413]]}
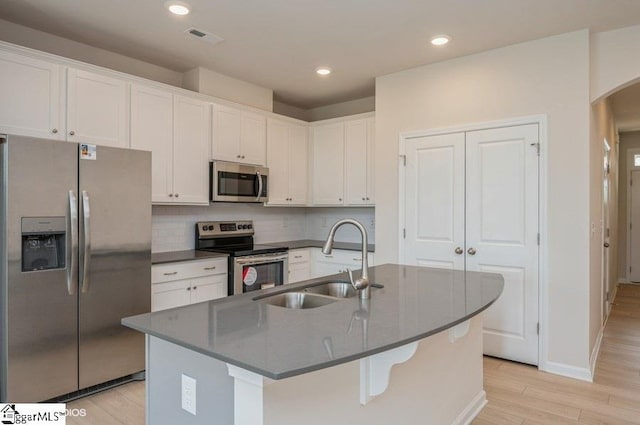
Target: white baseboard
{"points": [[581, 373], [596, 350], [472, 410], [624, 280]]}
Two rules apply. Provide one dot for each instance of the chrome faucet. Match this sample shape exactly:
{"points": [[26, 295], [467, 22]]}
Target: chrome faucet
{"points": [[361, 285]]}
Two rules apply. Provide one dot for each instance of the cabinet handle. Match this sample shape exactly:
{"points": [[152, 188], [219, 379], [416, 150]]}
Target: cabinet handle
{"points": [[195, 287], [189, 288], [242, 156], [54, 131], [170, 274], [210, 268], [297, 256], [368, 198], [171, 195], [340, 199], [238, 156], [357, 259], [363, 199], [72, 133], [177, 194]]}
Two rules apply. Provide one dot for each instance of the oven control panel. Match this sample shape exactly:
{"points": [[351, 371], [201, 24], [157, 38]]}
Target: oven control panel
{"points": [[208, 229]]}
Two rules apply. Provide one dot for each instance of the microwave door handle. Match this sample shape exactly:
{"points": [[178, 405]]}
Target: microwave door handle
{"points": [[259, 185], [72, 248], [86, 246]]}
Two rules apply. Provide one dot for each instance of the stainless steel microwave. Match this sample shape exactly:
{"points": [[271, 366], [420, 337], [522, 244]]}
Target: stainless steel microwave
{"points": [[233, 182]]}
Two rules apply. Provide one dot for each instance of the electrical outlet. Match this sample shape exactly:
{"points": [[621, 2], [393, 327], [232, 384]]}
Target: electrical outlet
{"points": [[189, 394]]}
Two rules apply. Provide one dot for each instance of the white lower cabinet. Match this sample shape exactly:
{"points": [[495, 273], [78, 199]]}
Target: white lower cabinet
{"points": [[337, 262], [188, 282], [299, 265]]}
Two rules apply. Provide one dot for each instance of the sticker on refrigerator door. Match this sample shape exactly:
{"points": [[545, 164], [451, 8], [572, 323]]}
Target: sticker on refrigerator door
{"points": [[88, 152], [249, 276]]}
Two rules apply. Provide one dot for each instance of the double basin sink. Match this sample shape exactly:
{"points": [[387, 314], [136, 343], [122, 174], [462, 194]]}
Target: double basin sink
{"points": [[315, 295]]}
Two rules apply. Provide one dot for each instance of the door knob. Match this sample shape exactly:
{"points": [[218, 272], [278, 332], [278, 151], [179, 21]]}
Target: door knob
{"points": [[72, 133], [458, 250], [471, 251], [606, 245]]}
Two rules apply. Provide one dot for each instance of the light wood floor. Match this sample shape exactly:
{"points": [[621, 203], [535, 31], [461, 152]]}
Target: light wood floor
{"points": [[518, 394]]}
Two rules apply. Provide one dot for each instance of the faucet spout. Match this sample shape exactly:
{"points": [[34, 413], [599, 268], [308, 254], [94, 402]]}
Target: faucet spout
{"points": [[362, 285]]}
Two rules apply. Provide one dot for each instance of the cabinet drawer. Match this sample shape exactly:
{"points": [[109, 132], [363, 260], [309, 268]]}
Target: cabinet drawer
{"points": [[187, 269], [298, 256]]}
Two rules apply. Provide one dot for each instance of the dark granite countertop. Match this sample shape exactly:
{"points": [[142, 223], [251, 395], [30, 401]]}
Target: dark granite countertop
{"points": [[310, 243], [278, 343], [188, 255]]}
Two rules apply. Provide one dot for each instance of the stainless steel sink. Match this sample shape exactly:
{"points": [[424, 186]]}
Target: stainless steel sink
{"points": [[298, 300], [333, 289]]}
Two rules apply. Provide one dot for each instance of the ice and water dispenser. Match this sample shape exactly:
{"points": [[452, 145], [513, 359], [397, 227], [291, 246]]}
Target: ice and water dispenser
{"points": [[43, 243]]}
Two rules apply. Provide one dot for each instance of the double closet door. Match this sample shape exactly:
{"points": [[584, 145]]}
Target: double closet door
{"points": [[471, 203]]}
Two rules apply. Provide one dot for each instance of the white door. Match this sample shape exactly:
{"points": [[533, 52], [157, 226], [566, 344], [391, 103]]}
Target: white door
{"points": [[152, 130], [328, 164], [634, 224], [298, 165], [226, 134], [471, 203], [434, 201], [97, 109], [605, 230], [253, 139], [191, 151], [502, 234], [278, 163], [355, 154]]}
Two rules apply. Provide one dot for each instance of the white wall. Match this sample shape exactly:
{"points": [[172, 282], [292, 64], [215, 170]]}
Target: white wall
{"points": [[290, 111], [548, 76], [27, 37], [602, 128], [615, 62], [174, 226], [212, 83]]}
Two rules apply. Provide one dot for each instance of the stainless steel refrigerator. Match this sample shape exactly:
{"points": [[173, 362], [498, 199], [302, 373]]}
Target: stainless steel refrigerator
{"points": [[75, 258]]}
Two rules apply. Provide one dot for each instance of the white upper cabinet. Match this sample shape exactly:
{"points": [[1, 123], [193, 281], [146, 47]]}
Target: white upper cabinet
{"points": [[32, 101], [343, 165], [152, 130], [287, 162], [328, 164], [238, 136], [359, 162], [191, 139], [97, 109], [176, 130]]}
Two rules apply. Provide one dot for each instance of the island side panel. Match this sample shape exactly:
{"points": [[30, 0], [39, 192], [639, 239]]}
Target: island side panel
{"points": [[167, 362], [441, 384]]}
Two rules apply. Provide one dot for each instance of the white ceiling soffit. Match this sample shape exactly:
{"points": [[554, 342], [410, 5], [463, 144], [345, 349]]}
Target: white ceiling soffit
{"points": [[278, 44]]}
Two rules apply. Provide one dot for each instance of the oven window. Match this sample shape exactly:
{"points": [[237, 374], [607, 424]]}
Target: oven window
{"points": [[262, 276], [237, 184]]}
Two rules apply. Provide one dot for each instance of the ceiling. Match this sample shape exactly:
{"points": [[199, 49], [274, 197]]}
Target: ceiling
{"points": [[278, 44]]}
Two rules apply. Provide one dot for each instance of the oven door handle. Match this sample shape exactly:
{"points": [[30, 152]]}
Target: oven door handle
{"points": [[266, 258]]}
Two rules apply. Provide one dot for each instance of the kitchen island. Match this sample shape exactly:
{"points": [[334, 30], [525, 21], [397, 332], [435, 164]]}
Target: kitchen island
{"points": [[244, 360]]}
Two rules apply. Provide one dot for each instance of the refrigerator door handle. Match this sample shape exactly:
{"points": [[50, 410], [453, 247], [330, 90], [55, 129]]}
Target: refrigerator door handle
{"points": [[86, 245], [72, 248]]}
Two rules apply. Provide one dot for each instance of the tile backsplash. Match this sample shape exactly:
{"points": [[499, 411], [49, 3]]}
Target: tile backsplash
{"points": [[174, 226]]}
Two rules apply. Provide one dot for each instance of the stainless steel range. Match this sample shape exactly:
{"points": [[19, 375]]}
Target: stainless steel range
{"points": [[251, 267]]}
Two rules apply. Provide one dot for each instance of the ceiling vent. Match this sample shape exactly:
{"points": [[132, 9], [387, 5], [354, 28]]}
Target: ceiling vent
{"points": [[203, 35]]}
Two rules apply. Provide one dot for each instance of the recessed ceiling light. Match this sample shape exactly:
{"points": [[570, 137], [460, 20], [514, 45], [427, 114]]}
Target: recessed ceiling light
{"points": [[440, 40], [177, 7], [323, 70]]}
